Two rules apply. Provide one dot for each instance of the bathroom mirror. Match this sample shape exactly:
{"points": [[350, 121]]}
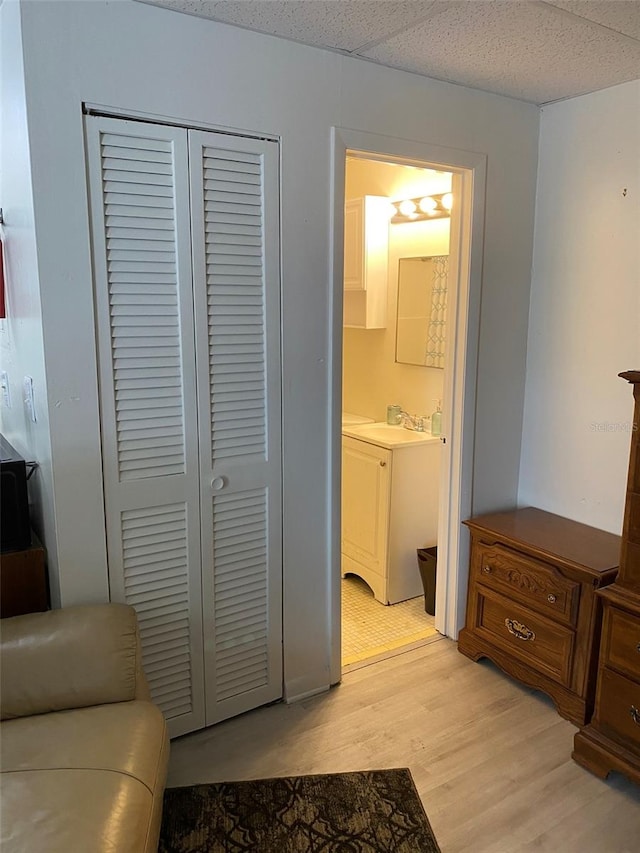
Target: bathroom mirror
{"points": [[422, 310]]}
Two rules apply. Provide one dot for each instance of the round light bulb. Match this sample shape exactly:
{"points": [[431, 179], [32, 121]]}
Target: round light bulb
{"points": [[407, 207], [428, 204], [447, 201]]}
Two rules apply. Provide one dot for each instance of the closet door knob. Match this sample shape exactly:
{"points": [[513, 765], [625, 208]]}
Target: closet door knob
{"points": [[218, 483], [382, 464]]}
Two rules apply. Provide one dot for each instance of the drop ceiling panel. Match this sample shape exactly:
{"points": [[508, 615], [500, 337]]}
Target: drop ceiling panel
{"points": [[338, 24], [536, 50], [530, 51], [622, 16]]}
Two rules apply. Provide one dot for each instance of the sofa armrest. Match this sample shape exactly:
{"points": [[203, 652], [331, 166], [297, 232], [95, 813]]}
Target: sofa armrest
{"points": [[70, 658]]}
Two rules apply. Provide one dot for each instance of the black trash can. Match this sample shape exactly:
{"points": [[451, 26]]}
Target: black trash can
{"points": [[427, 561]]}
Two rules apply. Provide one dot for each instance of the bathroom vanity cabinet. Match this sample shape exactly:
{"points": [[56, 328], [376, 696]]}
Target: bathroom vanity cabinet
{"points": [[366, 259], [390, 482]]}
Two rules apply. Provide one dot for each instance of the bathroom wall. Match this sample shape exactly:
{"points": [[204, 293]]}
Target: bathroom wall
{"points": [[371, 378]]}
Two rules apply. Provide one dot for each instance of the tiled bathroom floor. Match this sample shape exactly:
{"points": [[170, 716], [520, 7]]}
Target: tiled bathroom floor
{"points": [[370, 628]]}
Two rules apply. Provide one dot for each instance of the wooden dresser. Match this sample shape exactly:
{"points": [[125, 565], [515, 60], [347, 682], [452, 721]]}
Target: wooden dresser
{"points": [[24, 586], [612, 740], [532, 606]]}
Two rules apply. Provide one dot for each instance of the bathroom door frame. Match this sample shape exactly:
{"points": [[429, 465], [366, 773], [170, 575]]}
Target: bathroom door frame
{"points": [[458, 412]]}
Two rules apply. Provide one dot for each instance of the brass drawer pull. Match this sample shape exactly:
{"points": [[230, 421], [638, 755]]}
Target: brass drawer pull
{"points": [[635, 715], [486, 570], [551, 598], [519, 630]]}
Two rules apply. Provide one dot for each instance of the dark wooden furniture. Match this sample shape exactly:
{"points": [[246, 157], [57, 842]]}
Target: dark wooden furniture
{"points": [[532, 607], [612, 740], [23, 581]]}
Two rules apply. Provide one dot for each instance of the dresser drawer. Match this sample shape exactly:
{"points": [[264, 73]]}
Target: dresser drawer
{"points": [[621, 642], [530, 637], [619, 706], [533, 583]]}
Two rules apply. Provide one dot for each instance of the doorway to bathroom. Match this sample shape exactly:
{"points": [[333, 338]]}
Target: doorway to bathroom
{"points": [[406, 296], [396, 251]]}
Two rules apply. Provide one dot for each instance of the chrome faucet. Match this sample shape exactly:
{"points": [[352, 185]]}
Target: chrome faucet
{"points": [[412, 421]]}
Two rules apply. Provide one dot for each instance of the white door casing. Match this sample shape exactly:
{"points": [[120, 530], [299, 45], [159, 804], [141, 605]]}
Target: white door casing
{"points": [[467, 227]]}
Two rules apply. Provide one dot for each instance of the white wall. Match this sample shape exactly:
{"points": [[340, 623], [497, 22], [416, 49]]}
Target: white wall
{"points": [[21, 343], [156, 62], [584, 325]]}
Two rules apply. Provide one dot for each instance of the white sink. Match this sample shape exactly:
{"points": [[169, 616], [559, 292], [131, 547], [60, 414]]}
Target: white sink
{"points": [[385, 435], [349, 419]]}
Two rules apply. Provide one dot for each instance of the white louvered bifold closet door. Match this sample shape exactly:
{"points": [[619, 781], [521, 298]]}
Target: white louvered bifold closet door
{"points": [[139, 188], [235, 234]]}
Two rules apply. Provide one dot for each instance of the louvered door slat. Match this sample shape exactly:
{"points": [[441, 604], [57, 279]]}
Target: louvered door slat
{"points": [[245, 525], [141, 233], [153, 391], [236, 275], [221, 254], [164, 579], [124, 201], [152, 599], [225, 166], [247, 580], [152, 216], [127, 284], [168, 668], [142, 163], [157, 658], [133, 227], [157, 638]]}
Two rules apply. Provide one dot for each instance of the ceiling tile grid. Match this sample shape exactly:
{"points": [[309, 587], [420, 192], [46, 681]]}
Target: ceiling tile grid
{"points": [[336, 24], [534, 50], [623, 16], [523, 50]]}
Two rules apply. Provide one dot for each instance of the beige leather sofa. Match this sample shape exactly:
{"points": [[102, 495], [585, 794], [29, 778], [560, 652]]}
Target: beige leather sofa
{"points": [[83, 750]]}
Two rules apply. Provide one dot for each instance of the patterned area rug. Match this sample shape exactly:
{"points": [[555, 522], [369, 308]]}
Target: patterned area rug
{"points": [[374, 811]]}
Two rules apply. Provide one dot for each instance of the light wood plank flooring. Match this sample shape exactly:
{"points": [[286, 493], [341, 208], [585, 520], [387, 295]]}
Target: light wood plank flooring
{"points": [[491, 758]]}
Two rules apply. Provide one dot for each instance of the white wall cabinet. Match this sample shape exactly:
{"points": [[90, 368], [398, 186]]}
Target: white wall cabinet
{"points": [[187, 288], [366, 259], [389, 507]]}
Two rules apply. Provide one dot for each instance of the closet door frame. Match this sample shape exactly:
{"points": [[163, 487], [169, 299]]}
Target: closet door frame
{"points": [[206, 709]]}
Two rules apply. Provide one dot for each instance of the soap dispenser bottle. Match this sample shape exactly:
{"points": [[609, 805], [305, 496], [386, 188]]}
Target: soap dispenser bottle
{"points": [[436, 420]]}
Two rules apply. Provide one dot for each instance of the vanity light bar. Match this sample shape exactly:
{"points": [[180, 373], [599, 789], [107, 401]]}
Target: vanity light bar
{"points": [[424, 207]]}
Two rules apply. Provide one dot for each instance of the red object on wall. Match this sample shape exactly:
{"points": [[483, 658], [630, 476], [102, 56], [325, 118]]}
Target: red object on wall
{"points": [[3, 312]]}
